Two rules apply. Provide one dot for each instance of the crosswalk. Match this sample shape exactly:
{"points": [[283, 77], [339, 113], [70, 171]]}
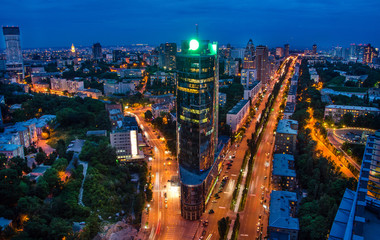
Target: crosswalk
{"points": [[183, 231]]}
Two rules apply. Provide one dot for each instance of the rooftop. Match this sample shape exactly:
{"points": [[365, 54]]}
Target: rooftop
{"points": [[9, 147], [238, 107], [292, 90], [281, 165], [290, 107], [190, 178], [347, 107], [280, 215], [285, 126]]}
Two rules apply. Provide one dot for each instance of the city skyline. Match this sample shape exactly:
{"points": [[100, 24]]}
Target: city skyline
{"points": [[272, 23]]}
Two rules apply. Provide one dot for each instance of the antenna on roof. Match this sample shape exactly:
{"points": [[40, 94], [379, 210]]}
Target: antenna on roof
{"points": [[196, 30]]}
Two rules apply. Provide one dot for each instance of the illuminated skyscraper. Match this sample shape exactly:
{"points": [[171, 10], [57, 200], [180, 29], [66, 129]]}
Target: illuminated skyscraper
{"points": [[369, 54], [197, 124], [249, 56], [262, 64], [286, 50], [72, 51], [14, 63], [97, 51], [167, 57]]}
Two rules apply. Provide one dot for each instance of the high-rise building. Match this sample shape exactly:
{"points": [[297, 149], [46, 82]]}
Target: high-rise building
{"points": [[248, 77], [14, 63], [315, 49], [286, 50], [117, 55], [262, 64], [369, 54], [97, 51], [279, 52], [167, 57], [358, 213], [197, 124], [353, 52], [249, 56]]}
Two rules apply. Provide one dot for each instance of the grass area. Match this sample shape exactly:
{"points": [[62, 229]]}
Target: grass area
{"points": [[348, 89]]}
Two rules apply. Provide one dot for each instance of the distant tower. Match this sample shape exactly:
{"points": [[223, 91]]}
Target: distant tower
{"points": [[315, 49], [286, 50], [262, 64], [14, 63], [249, 56], [97, 51], [73, 50]]}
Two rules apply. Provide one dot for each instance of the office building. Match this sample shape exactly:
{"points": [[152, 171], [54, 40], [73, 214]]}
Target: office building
{"points": [[369, 54], [314, 52], [279, 52], [336, 112], [167, 56], [97, 53], [197, 123], [236, 116], [248, 77], [358, 213], [117, 55], [283, 223], [124, 140], [249, 56], [14, 61], [231, 67], [237, 53], [283, 172], [262, 64], [286, 50], [286, 137]]}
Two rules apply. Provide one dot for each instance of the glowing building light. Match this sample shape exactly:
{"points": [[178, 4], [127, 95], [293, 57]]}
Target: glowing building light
{"points": [[194, 45]]}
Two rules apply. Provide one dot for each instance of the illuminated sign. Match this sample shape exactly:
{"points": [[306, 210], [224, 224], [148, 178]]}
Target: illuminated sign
{"points": [[194, 45]]}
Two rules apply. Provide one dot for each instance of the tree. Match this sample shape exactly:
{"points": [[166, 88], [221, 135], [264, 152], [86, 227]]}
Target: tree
{"points": [[29, 205], [148, 115], [59, 228], [40, 157], [347, 119], [60, 164], [222, 227], [3, 161]]}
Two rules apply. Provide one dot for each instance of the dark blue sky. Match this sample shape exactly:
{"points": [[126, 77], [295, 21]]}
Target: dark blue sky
{"points": [[57, 23]]}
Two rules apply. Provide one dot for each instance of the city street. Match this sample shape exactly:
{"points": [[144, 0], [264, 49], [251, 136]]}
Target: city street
{"points": [[260, 181]]}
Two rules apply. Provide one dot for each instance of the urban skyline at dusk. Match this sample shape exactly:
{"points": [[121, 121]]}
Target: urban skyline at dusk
{"points": [[272, 23]]}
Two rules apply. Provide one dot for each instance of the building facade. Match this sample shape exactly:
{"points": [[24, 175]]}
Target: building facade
{"points": [[197, 123], [286, 137], [336, 112], [249, 56], [262, 64], [97, 51], [236, 116], [167, 56], [248, 77], [283, 172], [14, 61]]}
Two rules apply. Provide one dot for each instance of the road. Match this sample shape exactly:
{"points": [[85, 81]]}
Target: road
{"points": [[164, 219], [325, 151], [260, 180]]}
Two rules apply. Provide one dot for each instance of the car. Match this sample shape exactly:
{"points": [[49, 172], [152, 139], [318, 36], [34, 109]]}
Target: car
{"points": [[258, 229], [265, 177], [205, 223], [214, 201], [215, 195], [228, 168], [211, 211], [260, 217], [166, 206], [203, 232]]}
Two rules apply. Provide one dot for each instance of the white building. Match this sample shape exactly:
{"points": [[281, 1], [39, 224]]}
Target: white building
{"points": [[12, 150], [252, 91], [115, 87], [314, 75], [236, 116], [60, 84], [338, 111]]}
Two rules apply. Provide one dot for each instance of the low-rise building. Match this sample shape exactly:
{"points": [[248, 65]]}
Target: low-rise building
{"points": [[164, 107], [124, 140], [91, 92], [286, 136], [222, 99], [12, 150], [253, 91], [314, 75], [290, 107], [236, 116], [114, 87], [336, 112], [71, 86], [283, 172], [292, 95], [282, 220]]}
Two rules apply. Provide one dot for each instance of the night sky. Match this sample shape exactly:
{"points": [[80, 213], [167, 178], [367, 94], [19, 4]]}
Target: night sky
{"points": [[58, 23]]}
